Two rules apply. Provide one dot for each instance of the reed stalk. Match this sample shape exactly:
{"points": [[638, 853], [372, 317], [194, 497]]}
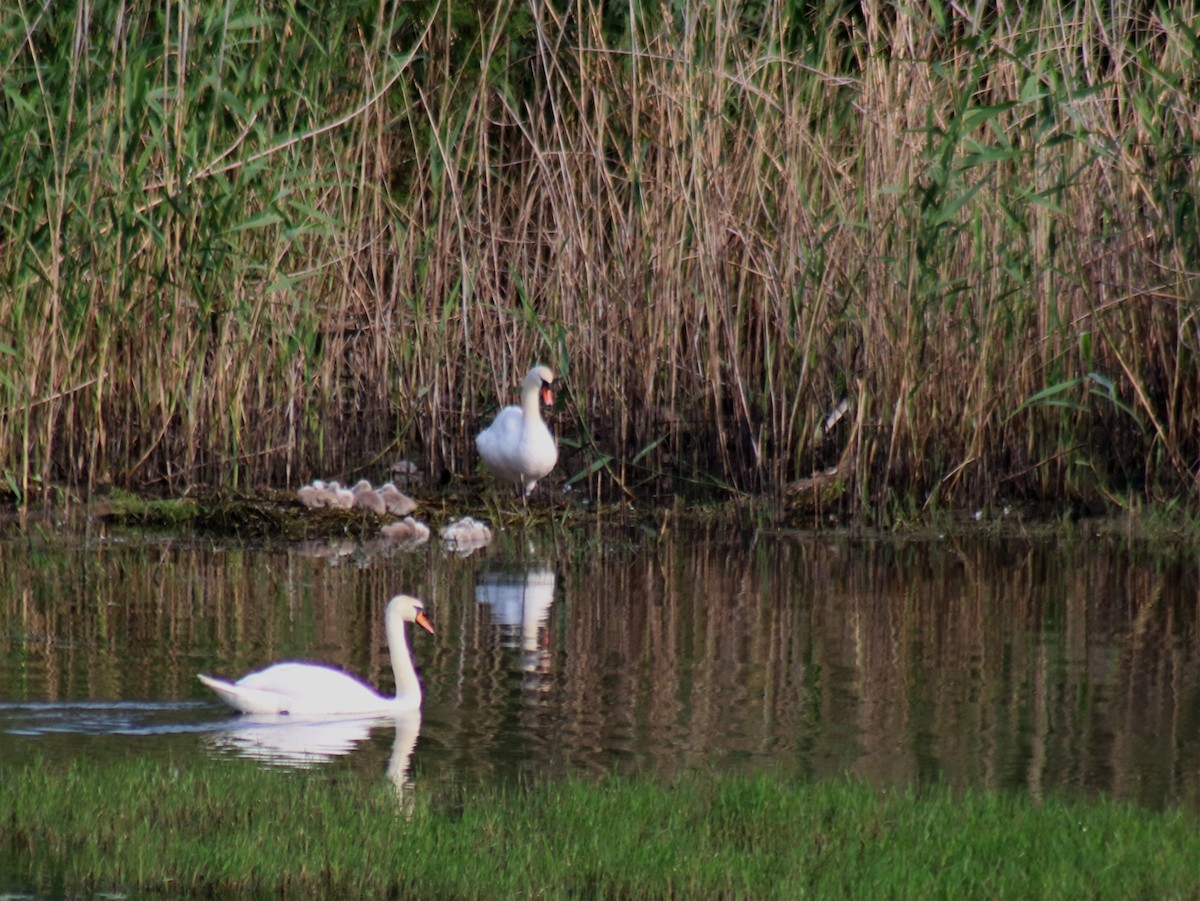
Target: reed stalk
{"points": [[251, 244]]}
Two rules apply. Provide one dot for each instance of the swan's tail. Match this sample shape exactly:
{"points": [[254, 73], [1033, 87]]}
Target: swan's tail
{"points": [[242, 699]]}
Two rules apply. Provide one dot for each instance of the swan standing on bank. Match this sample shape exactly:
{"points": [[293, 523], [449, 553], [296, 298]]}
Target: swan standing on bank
{"points": [[308, 689], [518, 447]]}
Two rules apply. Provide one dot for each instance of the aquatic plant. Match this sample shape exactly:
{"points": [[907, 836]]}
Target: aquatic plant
{"points": [[253, 244], [222, 826]]}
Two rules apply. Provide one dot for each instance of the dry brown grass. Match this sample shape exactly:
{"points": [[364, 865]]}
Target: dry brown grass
{"points": [[714, 227]]}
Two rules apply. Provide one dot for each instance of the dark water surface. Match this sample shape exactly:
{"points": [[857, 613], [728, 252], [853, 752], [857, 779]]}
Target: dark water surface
{"points": [[1068, 664]]}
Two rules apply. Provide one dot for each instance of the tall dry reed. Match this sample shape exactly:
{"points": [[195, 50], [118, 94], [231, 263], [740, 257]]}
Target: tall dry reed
{"points": [[249, 244]]}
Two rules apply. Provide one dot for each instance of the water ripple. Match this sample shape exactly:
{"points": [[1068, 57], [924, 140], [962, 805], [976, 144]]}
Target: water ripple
{"points": [[100, 717]]}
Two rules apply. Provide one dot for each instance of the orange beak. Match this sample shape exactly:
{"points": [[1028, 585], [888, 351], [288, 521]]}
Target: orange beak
{"points": [[423, 621], [547, 395]]}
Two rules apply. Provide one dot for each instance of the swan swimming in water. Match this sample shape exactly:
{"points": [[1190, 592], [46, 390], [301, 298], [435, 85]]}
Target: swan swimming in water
{"points": [[309, 689], [466, 534], [406, 530], [518, 447]]}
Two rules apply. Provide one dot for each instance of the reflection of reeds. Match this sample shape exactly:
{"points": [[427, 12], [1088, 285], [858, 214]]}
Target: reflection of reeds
{"points": [[1010, 663], [268, 243], [986, 663]]}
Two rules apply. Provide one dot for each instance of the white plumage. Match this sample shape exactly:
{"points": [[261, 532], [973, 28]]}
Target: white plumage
{"points": [[518, 447], [309, 689]]}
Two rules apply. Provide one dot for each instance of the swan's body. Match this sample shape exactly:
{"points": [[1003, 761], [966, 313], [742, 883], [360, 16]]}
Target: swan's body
{"points": [[397, 502], [518, 447], [310, 496], [343, 498], [308, 689], [406, 530], [465, 536], [326, 494], [405, 472], [317, 494], [367, 498], [466, 531]]}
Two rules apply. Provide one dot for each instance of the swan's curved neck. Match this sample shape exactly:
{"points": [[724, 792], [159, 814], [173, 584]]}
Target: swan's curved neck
{"points": [[531, 402], [407, 684]]}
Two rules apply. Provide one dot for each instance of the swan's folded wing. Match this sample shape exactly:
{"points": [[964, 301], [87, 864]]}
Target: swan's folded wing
{"points": [[245, 699], [498, 442]]}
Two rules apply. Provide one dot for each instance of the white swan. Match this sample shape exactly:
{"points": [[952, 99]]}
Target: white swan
{"points": [[517, 447], [308, 689]]}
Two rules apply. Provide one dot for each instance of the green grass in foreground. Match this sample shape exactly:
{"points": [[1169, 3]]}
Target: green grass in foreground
{"points": [[222, 827]]}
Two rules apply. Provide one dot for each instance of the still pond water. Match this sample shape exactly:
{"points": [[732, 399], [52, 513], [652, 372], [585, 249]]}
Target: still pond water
{"points": [[1066, 664]]}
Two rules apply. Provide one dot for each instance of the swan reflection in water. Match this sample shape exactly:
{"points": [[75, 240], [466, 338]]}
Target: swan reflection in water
{"points": [[519, 602], [297, 742]]}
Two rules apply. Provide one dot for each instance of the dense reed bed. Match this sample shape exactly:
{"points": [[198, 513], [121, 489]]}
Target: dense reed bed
{"points": [[225, 828], [256, 242]]}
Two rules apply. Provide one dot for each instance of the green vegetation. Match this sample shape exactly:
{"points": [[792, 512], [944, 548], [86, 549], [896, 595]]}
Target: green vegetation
{"points": [[257, 514], [226, 827], [246, 244]]}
